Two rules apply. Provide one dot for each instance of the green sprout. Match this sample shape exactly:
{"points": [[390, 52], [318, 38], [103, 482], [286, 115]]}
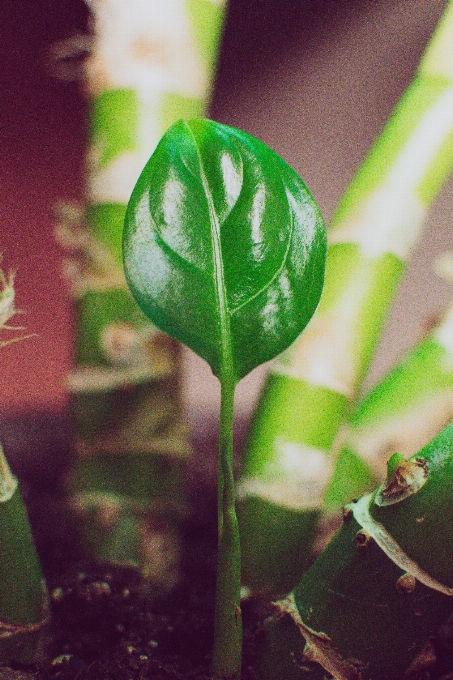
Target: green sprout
{"points": [[224, 250]]}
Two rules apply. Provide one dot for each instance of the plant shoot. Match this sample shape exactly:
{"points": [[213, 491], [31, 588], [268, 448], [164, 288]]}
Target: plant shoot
{"points": [[224, 250]]}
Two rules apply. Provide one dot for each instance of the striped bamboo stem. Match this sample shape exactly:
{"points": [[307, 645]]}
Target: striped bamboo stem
{"points": [[408, 407], [151, 63], [288, 460]]}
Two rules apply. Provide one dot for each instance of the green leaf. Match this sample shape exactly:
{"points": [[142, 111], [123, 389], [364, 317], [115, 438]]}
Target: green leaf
{"points": [[224, 246]]}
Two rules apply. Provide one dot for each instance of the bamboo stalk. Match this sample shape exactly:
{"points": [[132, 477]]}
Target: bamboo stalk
{"points": [[369, 605], [151, 64], [408, 407], [23, 594], [287, 463]]}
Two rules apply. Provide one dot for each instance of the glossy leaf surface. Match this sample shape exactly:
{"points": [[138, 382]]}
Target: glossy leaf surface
{"points": [[224, 246]]}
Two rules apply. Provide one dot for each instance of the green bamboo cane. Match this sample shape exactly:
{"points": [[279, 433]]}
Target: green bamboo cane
{"points": [[369, 605], [310, 388], [409, 406], [151, 64], [23, 594]]}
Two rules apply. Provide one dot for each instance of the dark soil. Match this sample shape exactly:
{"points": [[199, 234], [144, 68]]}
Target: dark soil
{"points": [[105, 622], [106, 625]]}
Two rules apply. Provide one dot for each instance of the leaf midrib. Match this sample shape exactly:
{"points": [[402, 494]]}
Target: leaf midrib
{"points": [[227, 363]]}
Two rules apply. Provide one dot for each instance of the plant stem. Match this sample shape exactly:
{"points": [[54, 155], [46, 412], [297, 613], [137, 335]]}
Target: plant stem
{"points": [[228, 622]]}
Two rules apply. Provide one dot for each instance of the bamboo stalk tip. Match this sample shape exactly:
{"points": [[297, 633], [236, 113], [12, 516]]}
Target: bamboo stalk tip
{"points": [[408, 478]]}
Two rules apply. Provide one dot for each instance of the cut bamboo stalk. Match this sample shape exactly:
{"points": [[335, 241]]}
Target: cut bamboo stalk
{"points": [[151, 63], [367, 608], [287, 463]]}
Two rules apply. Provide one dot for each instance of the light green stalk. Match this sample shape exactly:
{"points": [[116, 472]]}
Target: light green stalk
{"points": [[23, 594], [227, 654], [310, 389], [367, 608], [411, 404], [151, 64]]}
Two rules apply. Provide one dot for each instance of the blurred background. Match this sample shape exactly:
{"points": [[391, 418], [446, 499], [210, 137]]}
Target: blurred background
{"points": [[314, 79]]}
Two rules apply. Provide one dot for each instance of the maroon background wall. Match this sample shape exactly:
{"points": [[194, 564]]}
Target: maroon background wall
{"points": [[42, 125], [315, 79]]}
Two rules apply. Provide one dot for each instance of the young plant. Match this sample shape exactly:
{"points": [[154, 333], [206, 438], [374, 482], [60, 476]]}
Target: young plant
{"points": [[224, 250]]}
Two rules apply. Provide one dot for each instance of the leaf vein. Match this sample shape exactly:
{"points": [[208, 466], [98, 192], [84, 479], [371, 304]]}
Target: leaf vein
{"points": [[172, 253], [277, 273], [226, 367]]}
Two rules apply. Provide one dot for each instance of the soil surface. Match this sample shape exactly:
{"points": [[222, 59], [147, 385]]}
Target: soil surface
{"points": [[105, 623]]}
